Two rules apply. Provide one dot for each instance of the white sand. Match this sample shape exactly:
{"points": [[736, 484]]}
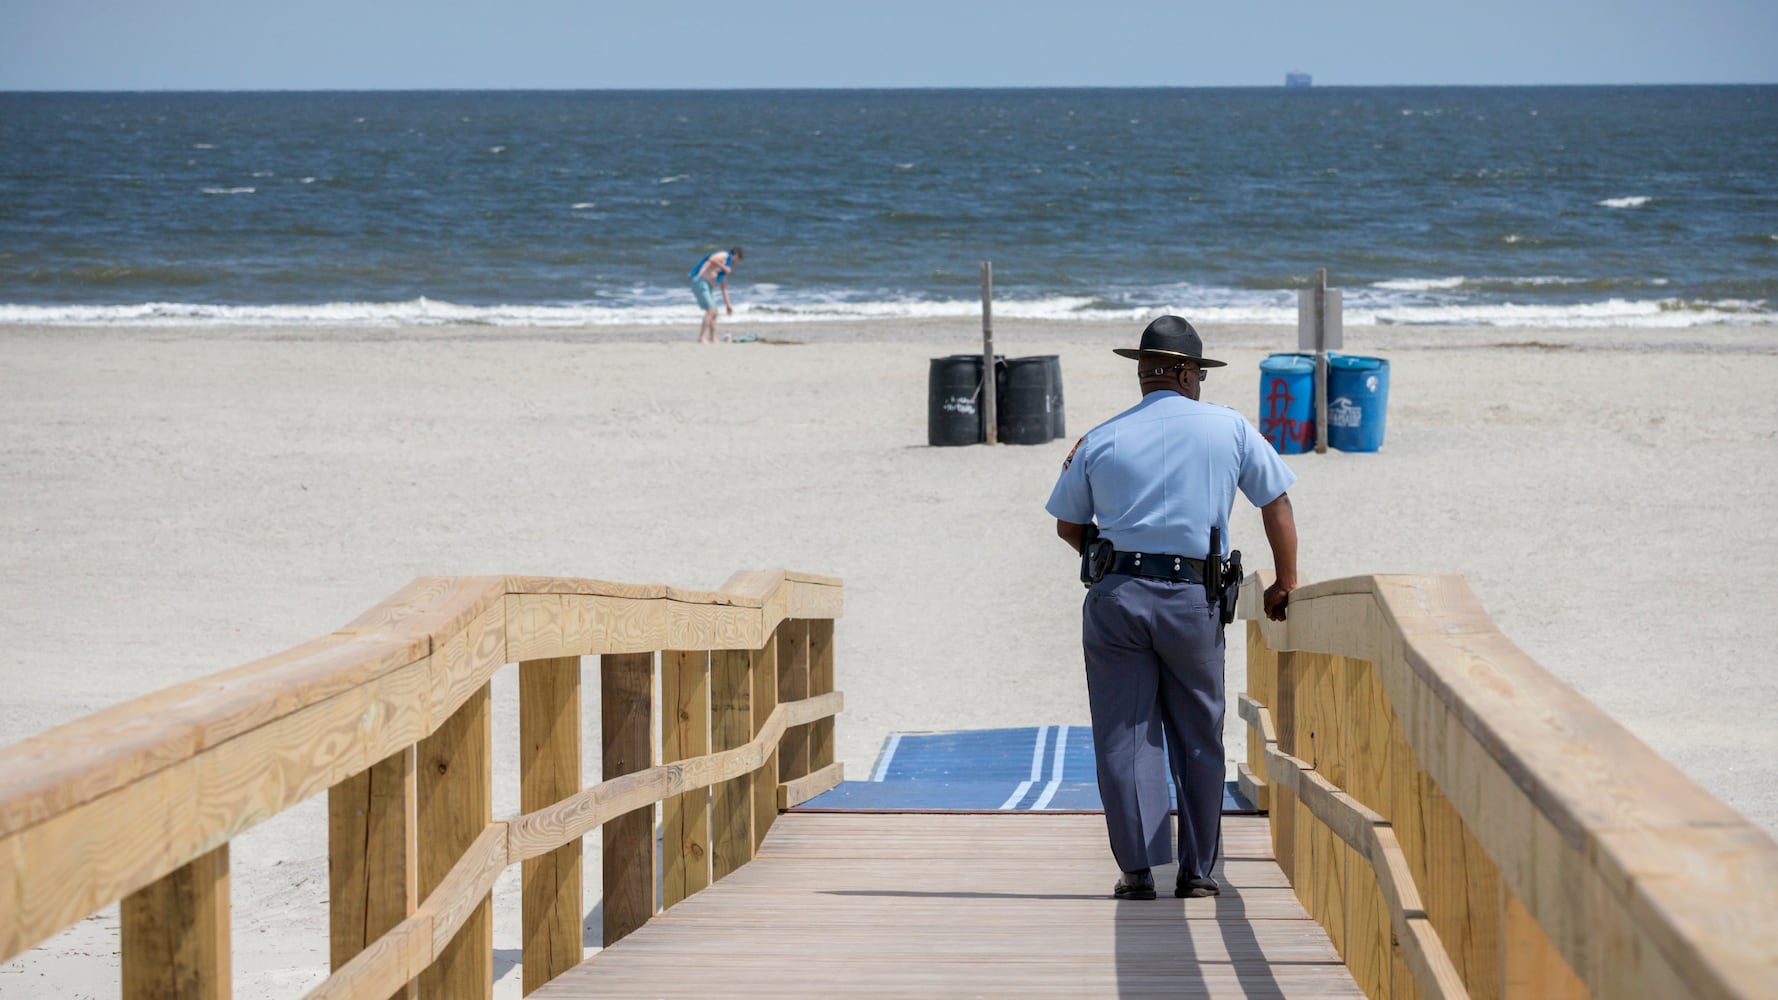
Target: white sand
{"points": [[175, 502]]}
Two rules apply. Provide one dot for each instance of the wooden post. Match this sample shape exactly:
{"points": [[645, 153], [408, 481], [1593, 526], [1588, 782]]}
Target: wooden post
{"points": [[1285, 808], [1321, 361], [990, 391], [731, 723], [1462, 895], [821, 741], [793, 685], [763, 671], [175, 939], [1368, 924], [453, 790], [549, 771], [626, 711], [685, 734], [371, 877]]}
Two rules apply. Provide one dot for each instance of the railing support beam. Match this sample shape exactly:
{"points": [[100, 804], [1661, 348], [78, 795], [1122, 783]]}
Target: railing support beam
{"points": [[370, 857], [549, 771], [626, 699], [731, 726], [176, 934], [685, 735], [453, 784]]}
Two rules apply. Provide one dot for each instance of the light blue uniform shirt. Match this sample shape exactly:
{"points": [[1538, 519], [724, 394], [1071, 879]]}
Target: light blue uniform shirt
{"points": [[1158, 476]]}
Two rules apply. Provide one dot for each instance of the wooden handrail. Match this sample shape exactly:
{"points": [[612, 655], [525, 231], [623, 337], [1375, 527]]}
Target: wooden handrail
{"points": [[107, 807], [1393, 705]]}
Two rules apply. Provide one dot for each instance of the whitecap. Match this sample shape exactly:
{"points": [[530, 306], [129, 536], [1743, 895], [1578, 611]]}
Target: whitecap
{"points": [[1512, 238], [904, 166], [676, 178], [237, 190], [496, 149], [1635, 201], [584, 204], [1419, 284], [202, 145], [263, 173], [307, 180]]}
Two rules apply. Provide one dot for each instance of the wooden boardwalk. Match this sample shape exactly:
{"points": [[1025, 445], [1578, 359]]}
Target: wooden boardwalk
{"points": [[968, 906]]}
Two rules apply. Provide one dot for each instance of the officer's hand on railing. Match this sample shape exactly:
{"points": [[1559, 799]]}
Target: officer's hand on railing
{"points": [[1277, 596]]}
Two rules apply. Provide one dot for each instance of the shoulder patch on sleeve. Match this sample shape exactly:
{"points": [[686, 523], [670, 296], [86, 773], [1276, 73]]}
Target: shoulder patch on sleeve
{"points": [[1071, 451]]}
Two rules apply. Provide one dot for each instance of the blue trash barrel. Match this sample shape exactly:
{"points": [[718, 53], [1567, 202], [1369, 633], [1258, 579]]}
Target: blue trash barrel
{"points": [[1287, 403], [1357, 402]]}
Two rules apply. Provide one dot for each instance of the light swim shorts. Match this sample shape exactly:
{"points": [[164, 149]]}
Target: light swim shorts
{"points": [[705, 296]]}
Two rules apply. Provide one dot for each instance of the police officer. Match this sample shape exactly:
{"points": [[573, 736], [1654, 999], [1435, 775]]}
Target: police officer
{"points": [[1153, 481]]}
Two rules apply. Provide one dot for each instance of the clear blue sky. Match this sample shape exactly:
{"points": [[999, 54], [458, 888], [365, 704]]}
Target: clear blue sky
{"points": [[572, 44]]}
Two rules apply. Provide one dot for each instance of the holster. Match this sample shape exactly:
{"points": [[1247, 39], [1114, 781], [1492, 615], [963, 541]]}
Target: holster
{"points": [[1222, 581], [1095, 556], [1231, 587]]}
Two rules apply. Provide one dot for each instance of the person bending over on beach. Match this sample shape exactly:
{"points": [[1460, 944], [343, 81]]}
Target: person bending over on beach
{"points": [[713, 269]]}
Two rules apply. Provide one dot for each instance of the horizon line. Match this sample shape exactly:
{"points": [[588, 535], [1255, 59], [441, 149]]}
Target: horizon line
{"points": [[861, 89]]}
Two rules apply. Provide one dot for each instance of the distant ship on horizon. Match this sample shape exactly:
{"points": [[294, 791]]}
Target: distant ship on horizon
{"points": [[1294, 79]]}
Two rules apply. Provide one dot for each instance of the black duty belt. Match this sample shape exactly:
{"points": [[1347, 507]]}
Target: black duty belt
{"points": [[1159, 566]]}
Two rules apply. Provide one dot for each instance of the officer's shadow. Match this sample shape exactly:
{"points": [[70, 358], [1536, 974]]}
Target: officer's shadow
{"points": [[1191, 947]]}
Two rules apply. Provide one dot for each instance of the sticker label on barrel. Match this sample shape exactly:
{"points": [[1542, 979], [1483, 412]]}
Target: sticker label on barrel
{"points": [[1342, 412]]}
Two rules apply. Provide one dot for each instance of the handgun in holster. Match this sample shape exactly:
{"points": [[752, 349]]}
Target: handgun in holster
{"points": [[1095, 556], [1222, 582]]}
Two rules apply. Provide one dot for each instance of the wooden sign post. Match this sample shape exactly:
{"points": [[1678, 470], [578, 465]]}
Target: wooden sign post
{"points": [[990, 402], [1319, 329]]}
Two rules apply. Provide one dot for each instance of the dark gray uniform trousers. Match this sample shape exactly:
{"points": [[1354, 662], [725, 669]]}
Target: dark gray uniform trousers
{"points": [[1154, 660]]}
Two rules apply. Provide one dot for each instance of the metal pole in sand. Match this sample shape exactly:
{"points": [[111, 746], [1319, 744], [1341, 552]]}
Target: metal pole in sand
{"points": [[1321, 361], [990, 402]]}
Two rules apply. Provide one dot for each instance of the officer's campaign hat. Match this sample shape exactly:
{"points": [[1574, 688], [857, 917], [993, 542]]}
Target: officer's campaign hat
{"points": [[1173, 336]]}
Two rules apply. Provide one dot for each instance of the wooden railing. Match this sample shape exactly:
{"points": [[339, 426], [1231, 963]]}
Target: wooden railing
{"points": [[390, 716], [1464, 824]]}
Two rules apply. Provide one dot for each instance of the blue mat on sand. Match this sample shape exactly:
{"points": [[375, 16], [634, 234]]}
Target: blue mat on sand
{"points": [[1026, 769]]}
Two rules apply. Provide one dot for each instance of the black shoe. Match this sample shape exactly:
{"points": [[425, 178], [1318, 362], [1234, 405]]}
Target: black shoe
{"points": [[1192, 887], [1135, 885]]}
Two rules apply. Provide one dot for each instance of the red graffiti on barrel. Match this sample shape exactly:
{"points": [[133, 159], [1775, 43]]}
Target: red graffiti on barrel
{"points": [[1277, 426]]}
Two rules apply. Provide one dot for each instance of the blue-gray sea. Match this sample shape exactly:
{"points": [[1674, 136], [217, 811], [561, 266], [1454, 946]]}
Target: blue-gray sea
{"points": [[1547, 206]]}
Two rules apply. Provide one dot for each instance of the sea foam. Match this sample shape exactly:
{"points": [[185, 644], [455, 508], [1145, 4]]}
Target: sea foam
{"points": [[1635, 201], [662, 308]]}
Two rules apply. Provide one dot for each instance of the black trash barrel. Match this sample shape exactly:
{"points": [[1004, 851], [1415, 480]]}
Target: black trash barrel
{"points": [[1026, 393], [954, 400], [1058, 426]]}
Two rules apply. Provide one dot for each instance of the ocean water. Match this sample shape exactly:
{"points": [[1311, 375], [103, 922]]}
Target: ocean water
{"points": [[1572, 206]]}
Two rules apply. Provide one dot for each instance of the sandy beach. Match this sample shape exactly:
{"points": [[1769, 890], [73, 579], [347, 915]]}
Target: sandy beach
{"points": [[177, 501]]}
